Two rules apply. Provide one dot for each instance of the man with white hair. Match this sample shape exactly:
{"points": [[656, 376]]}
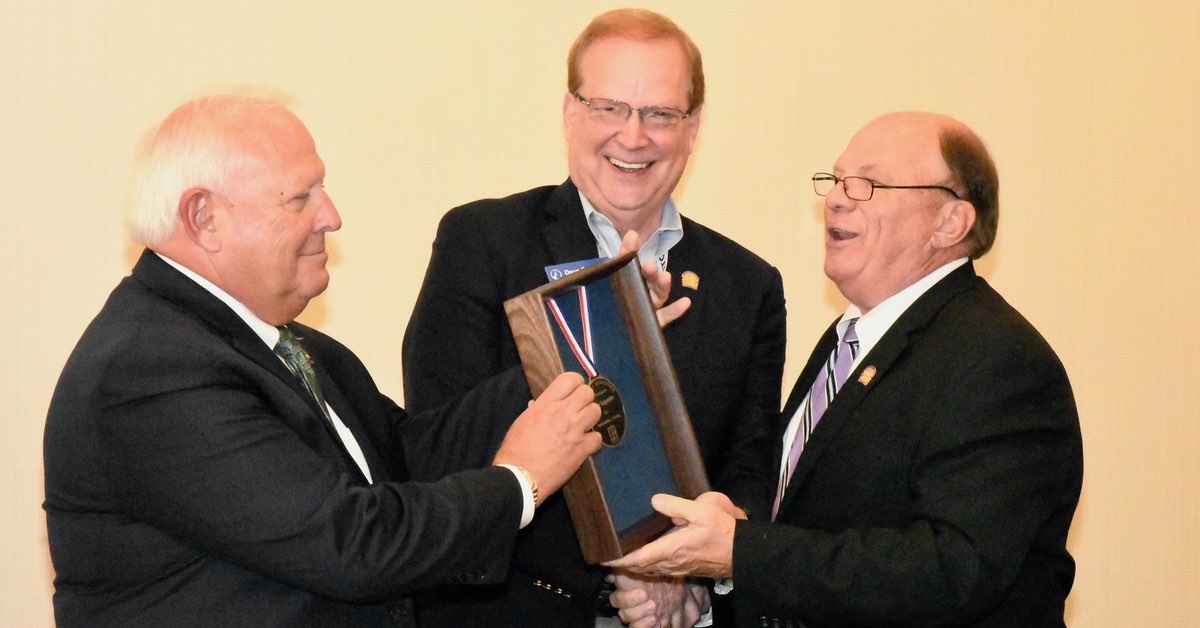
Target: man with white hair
{"points": [[211, 462]]}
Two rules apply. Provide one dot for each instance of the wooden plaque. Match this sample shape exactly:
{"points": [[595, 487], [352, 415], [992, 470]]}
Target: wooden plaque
{"points": [[599, 322]]}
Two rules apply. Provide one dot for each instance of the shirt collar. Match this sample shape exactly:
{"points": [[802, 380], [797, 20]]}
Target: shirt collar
{"points": [[608, 241], [874, 324], [268, 332]]}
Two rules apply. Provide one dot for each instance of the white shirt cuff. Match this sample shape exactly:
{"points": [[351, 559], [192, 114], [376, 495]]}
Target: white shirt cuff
{"points": [[527, 505]]}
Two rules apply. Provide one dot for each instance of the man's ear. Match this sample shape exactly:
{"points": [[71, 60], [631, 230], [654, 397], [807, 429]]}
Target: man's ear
{"points": [[693, 121], [954, 223], [569, 112], [197, 219]]}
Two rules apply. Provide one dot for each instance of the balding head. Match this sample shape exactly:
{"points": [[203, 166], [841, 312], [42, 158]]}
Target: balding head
{"points": [[232, 188], [878, 247], [199, 144]]}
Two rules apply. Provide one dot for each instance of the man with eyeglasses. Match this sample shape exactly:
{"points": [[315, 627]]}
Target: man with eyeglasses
{"points": [[929, 456], [631, 112]]}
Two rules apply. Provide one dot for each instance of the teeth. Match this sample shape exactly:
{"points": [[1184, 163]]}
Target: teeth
{"points": [[628, 166]]}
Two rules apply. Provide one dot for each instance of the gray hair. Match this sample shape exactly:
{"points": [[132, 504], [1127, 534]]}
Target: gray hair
{"points": [[198, 145]]}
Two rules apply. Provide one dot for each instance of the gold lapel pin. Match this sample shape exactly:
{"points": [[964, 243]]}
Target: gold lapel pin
{"points": [[690, 280], [867, 375]]}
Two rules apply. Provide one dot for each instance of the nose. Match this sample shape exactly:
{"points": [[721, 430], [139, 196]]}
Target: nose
{"points": [[632, 133], [328, 218], [836, 199]]}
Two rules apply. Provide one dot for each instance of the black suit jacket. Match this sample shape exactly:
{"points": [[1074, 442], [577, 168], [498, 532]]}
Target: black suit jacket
{"points": [[728, 353], [939, 491], [191, 480]]}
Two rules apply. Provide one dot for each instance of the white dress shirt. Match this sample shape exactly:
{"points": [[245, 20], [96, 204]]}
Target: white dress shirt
{"points": [[270, 335], [608, 241], [870, 327]]}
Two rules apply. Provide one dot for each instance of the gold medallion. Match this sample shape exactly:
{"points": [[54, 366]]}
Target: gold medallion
{"points": [[612, 411]]}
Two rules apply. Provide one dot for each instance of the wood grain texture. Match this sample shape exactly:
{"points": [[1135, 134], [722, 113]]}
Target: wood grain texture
{"points": [[598, 537]]}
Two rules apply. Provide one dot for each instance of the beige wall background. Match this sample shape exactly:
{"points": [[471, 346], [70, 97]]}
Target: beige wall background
{"points": [[1091, 109]]}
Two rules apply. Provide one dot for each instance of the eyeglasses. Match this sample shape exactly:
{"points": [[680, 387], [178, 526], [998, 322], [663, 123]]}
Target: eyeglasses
{"points": [[862, 188], [616, 112]]}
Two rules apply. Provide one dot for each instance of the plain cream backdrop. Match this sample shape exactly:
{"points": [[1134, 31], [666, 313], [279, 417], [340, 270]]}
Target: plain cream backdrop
{"points": [[1092, 110]]}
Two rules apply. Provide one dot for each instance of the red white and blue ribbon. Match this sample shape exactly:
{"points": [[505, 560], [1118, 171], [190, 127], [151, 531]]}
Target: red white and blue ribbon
{"points": [[583, 352]]}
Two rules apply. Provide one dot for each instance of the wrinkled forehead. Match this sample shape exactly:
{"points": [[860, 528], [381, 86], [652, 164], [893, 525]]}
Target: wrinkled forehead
{"points": [[897, 148]]}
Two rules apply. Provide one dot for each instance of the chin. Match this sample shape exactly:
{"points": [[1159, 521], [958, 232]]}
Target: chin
{"points": [[841, 263], [315, 287], [831, 270]]}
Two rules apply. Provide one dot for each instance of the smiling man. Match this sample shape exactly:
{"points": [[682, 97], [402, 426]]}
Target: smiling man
{"points": [[210, 462], [929, 456], [631, 114]]}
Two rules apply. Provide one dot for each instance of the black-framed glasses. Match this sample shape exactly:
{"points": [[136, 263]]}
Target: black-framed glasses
{"points": [[862, 188], [617, 112]]}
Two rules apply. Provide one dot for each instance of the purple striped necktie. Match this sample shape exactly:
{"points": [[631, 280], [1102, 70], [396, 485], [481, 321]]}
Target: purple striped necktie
{"points": [[829, 381]]}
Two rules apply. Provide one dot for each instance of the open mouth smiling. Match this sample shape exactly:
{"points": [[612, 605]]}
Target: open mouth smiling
{"points": [[628, 167], [840, 234]]}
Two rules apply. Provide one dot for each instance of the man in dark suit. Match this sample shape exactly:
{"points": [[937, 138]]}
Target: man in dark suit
{"points": [[631, 114], [938, 486], [194, 477]]}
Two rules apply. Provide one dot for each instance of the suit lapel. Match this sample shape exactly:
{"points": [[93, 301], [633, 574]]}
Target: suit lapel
{"points": [[345, 411], [565, 227], [807, 376], [685, 334], [190, 296], [886, 353]]}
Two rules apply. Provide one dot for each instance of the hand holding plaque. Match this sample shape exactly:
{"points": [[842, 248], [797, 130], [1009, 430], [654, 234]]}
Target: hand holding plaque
{"points": [[658, 282], [550, 439], [701, 545]]}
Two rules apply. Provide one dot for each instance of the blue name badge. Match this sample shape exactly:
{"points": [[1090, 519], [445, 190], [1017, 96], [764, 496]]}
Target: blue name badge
{"points": [[558, 271]]}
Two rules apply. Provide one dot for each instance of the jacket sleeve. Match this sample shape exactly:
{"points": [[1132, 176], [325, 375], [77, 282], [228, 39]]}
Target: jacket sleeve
{"points": [[747, 475], [197, 446], [467, 432], [458, 328]]}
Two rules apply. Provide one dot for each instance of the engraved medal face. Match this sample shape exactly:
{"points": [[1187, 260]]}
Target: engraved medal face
{"points": [[612, 411]]}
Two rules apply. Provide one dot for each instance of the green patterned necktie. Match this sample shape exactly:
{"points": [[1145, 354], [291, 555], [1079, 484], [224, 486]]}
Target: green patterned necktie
{"points": [[301, 364]]}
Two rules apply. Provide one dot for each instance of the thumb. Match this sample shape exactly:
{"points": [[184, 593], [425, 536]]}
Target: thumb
{"points": [[629, 243], [561, 387], [671, 313], [681, 511]]}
